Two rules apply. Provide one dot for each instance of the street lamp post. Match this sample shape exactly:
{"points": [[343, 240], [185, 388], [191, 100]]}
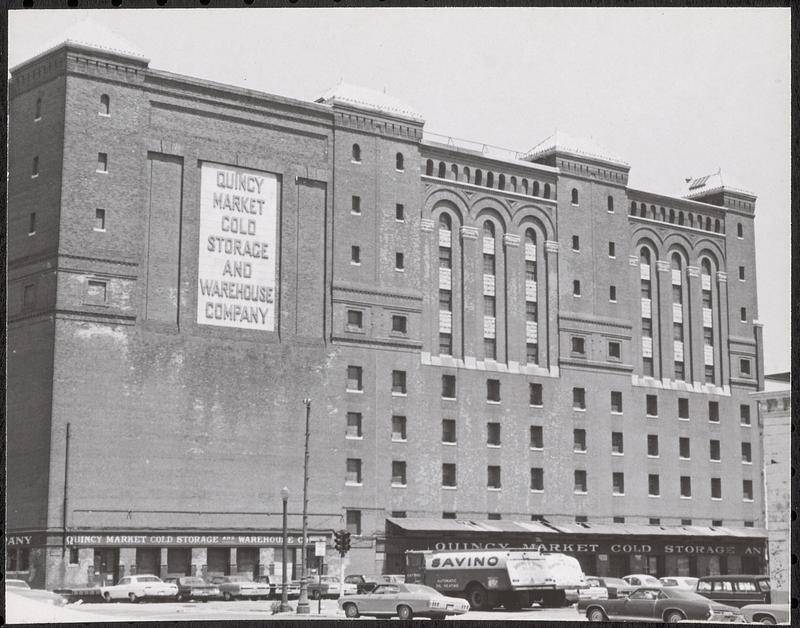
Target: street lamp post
{"points": [[284, 593], [303, 607]]}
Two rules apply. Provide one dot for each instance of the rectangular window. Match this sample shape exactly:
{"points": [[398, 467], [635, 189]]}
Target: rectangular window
{"points": [[747, 490], [354, 378], [448, 515], [399, 261], [449, 386], [102, 162], [618, 483], [493, 477], [398, 382], [647, 328], [535, 394], [448, 430], [537, 437], [490, 348], [747, 453], [399, 514], [32, 223], [489, 306], [580, 481], [612, 294], [713, 450], [616, 402], [449, 475], [355, 206], [739, 230], [617, 445], [741, 273], [613, 350], [531, 311], [398, 428], [684, 451], [354, 425], [488, 264], [493, 390], [99, 219], [709, 373], [743, 314], [652, 405], [647, 366], [652, 445], [655, 521], [530, 270], [445, 344], [713, 411], [398, 473], [493, 434], [355, 255], [399, 212], [683, 408], [618, 519], [579, 399], [581, 519], [96, 292], [716, 488], [612, 249], [445, 301], [355, 320], [532, 353], [578, 346], [716, 523], [537, 479], [353, 471], [399, 324], [494, 516], [677, 331], [744, 367], [686, 486], [680, 373], [354, 522], [73, 556], [576, 243], [576, 288], [686, 522], [445, 257], [749, 524], [653, 485], [744, 414], [579, 440]]}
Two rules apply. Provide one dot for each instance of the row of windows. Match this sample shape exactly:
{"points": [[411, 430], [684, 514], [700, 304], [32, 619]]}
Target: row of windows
{"points": [[355, 322], [105, 107], [399, 160], [467, 176], [356, 209], [690, 220]]}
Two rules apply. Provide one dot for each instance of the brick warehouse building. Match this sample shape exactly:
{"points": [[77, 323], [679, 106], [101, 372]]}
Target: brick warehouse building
{"points": [[482, 335]]}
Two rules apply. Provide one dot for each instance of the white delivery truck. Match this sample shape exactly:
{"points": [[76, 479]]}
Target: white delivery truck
{"points": [[513, 578]]}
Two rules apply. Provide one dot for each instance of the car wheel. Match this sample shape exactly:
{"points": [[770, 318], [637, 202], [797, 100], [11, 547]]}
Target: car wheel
{"points": [[351, 610], [765, 619], [404, 612], [596, 614], [107, 596], [227, 596], [477, 598], [132, 597], [673, 617]]}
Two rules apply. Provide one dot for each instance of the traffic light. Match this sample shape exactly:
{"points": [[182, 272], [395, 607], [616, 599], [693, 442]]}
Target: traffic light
{"points": [[337, 541], [341, 541]]}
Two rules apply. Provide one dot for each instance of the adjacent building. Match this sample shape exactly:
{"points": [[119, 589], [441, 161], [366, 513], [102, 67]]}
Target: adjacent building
{"points": [[497, 347]]}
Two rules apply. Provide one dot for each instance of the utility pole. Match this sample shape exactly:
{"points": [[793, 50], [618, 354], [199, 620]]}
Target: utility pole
{"points": [[64, 504], [303, 607]]}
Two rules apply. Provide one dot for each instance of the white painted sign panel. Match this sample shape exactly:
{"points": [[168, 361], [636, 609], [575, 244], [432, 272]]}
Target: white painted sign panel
{"points": [[236, 266], [445, 236]]}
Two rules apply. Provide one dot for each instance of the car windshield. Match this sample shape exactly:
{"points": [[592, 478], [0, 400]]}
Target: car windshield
{"points": [[669, 582], [330, 579], [421, 588], [593, 582], [149, 579]]}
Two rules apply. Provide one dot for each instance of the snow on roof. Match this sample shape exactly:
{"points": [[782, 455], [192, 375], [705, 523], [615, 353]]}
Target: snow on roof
{"points": [[366, 98], [702, 186], [90, 34], [561, 141]]}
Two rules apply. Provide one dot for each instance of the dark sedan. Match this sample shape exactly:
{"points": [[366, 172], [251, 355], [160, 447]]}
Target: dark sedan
{"points": [[193, 588], [660, 604]]}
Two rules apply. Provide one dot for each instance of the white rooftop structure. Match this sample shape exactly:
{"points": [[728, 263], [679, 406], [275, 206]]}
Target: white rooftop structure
{"points": [[708, 184], [365, 98], [561, 141]]}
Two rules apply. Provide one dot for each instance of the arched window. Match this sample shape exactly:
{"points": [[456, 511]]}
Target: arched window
{"points": [[454, 171], [679, 350], [445, 222], [739, 230], [708, 223], [356, 153], [489, 179], [677, 264], [610, 203], [536, 188], [525, 186], [717, 225], [632, 210], [478, 177], [680, 218], [672, 215], [574, 196], [488, 229], [530, 237], [466, 174], [513, 182], [398, 161], [105, 105], [691, 220], [663, 214], [442, 170], [705, 266], [38, 112], [644, 256], [429, 167], [653, 212], [643, 210], [646, 291], [532, 331], [445, 260], [501, 182], [547, 190]]}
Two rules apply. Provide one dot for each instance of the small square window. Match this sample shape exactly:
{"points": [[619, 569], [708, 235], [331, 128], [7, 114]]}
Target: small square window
{"points": [[449, 386], [716, 523], [448, 430], [493, 434], [537, 479], [686, 486], [581, 519], [684, 450], [535, 394], [32, 223], [714, 450], [354, 375], [616, 402], [579, 440], [354, 420], [747, 490], [493, 390], [399, 514], [743, 314], [399, 261], [353, 471], [399, 324], [744, 367], [399, 212], [686, 522], [612, 294], [537, 437], [576, 288], [353, 518], [744, 414], [449, 477], [652, 445], [739, 230], [578, 346], [716, 488], [448, 515], [618, 483], [576, 243], [749, 523], [355, 320], [619, 520], [99, 219], [355, 255], [398, 428], [580, 481], [398, 473], [653, 485], [655, 521], [741, 273], [579, 399], [614, 350], [617, 443], [612, 249], [747, 453], [102, 162], [494, 516], [652, 405], [493, 477], [398, 382], [683, 408], [713, 411], [96, 292], [355, 205]]}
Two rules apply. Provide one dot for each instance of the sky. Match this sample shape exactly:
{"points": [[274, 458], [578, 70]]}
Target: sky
{"points": [[674, 92]]}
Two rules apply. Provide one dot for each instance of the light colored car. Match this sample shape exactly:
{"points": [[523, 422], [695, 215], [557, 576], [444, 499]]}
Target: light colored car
{"points": [[135, 588], [681, 582], [404, 601], [642, 580], [23, 588], [657, 604], [767, 613], [595, 590], [329, 586], [240, 586], [194, 588]]}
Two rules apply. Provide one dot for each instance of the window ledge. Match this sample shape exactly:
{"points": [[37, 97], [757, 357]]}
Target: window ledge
{"points": [[399, 394], [536, 405], [745, 424], [449, 443], [394, 485], [36, 176], [494, 403], [686, 496], [579, 451], [448, 398], [498, 488], [102, 171], [491, 446], [537, 490], [684, 418], [399, 440], [682, 458], [400, 270], [714, 421], [747, 462], [617, 453], [618, 494], [651, 416], [449, 488], [353, 483], [653, 456], [353, 390], [574, 409], [31, 233], [353, 161], [616, 413], [352, 263], [580, 492], [104, 115], [536, 448], [354, 437], [716, 499], [715, 459], [352, 213], [93, 229], [749, 501], [654, 496]]}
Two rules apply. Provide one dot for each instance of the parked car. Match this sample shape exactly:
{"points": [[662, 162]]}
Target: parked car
{"points": [[617, 587], [238, 586], [23, 588], [329, 586], [669, 605], [139, 587], [360, 581], [736, 590], [404, 601], [642, 580], [767, 613], [265, 579], [292, 589], [682, 582], [194, 588], [595, 590]]}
